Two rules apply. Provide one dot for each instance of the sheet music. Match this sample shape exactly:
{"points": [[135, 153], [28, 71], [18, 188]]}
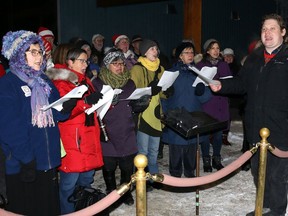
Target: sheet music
{"points": [[103, 104], [205, 76], [139, 92], [167, 79], [77, 92]]}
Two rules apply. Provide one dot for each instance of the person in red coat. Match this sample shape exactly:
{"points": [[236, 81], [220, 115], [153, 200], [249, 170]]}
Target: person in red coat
{"points": [[2, 70], [80, 134]]}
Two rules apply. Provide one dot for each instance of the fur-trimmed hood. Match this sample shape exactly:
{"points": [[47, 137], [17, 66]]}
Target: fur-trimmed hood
{"points": [[62, 74]]}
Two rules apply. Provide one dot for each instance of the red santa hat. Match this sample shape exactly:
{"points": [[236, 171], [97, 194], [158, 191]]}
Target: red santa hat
{"points": [[47, 45], [45, 32], [116, 38]]}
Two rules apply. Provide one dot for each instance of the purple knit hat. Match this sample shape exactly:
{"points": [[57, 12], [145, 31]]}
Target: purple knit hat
{"points": [[13, 42]]}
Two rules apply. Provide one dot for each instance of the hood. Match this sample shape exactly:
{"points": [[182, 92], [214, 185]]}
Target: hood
{"points": [[62, 74]]}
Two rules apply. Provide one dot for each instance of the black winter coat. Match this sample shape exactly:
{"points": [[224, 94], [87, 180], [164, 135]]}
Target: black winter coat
{"points": [[266, 86]]}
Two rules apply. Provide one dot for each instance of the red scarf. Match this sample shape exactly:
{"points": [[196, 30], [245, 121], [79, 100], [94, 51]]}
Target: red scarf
{"points": [[268, 56]]}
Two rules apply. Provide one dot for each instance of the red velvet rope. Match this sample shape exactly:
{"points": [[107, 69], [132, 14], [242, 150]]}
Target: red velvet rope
{"points": [[91, 210], [168, 180], [282, 154], [6, 213], [190, 182]]}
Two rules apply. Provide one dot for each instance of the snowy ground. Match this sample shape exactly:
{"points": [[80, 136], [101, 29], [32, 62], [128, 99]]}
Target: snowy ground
{"points": [[231, 196]]}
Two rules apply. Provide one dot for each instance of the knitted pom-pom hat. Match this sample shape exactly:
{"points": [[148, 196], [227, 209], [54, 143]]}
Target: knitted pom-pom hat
{"points": [[13, 42]]}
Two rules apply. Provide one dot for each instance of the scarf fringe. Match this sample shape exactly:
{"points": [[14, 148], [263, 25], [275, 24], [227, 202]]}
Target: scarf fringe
{"points": [[43, 119]]}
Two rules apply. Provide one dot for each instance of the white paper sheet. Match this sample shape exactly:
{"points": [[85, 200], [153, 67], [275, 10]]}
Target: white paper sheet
{"points": [[103, 104], [139, 92], [77, 92], [205, 75], [167, 79]]}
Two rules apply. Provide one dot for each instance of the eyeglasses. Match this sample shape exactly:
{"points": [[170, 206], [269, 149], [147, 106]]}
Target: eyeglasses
{"points": [[35, 52], [83, 61], [115, 64], [187, 53]]}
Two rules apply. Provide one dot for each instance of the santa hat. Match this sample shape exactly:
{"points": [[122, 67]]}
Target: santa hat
{"points": [[45, 32], [47, 45], [19, 41], [116, 38]]}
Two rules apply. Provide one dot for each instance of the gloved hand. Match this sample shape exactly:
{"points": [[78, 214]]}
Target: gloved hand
{"points": [[169, 92], [69, 105], [93, 98], [141, 104], [199, 89], [28, 171], [154, 88]]}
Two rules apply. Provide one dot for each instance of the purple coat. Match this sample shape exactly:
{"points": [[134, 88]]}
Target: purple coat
{"points": [[217, 106], [119, 123]]}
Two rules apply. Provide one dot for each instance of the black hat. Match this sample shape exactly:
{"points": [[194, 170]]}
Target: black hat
{"points": [[136, 38], [183, 46], [81, 43], [145, 45]]}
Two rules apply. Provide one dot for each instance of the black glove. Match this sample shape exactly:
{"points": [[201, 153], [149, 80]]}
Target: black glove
{"points": [[154, 88], [93, 98], [141, 104], [28, 171], [169, 92], [69, 105], [199, 89]]}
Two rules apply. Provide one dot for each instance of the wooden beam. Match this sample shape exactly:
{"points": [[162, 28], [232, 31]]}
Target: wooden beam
{"points": [[193, 22]]}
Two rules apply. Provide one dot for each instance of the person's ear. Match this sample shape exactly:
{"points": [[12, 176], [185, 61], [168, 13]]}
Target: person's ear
{"points": [[283, 32]]}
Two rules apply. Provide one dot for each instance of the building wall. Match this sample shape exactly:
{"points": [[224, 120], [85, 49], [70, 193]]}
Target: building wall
{"points": [[157, 21], [237, 34], [151, 20]]}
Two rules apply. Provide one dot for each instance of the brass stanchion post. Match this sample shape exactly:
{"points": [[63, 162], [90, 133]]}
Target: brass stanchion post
{"points": [[141, 161], [197, 173], [264, 133]]}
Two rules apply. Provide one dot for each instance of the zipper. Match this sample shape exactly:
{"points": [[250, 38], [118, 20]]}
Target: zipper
{"points": [[78, 140], [48, 150]]}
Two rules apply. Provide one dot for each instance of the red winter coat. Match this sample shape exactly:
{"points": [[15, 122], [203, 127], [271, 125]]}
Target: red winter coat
{"points": [[81, 143], [2, 70]]}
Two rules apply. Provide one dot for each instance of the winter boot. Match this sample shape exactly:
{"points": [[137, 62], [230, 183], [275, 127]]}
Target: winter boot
{"points": [[160, 152], [127, 198], [110, 181], [207, 164], [225, 139], [216, 162]]}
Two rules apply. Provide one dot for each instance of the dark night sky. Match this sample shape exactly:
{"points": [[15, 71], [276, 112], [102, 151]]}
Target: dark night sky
{"points": [[28, 15]]}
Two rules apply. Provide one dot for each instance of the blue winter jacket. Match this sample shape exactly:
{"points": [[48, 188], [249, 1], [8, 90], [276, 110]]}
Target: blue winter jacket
{"points": [[20, 140], [184, 96]]}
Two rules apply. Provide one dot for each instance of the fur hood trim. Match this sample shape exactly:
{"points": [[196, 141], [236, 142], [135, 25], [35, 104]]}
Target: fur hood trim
{"points": [[62, 74]]}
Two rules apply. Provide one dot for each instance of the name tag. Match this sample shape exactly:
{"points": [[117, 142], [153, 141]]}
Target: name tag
{"points": [[26, 90]]}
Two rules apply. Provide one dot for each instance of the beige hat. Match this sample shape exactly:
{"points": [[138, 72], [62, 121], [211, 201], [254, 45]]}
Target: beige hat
{"points": [[97, 35], [228, 51]]}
